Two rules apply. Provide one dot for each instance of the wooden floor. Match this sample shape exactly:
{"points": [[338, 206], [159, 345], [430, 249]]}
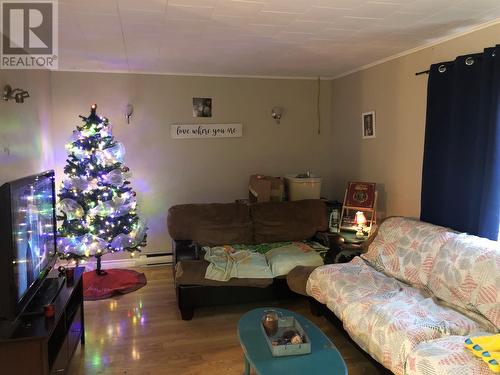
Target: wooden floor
{"points": [[142, 333]]}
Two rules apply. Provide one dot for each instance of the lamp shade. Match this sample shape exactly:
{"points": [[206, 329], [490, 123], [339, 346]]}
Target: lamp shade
{"points": [[360, 218]]}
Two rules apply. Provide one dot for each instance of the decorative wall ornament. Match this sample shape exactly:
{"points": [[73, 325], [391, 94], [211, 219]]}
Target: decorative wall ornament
{"points": [[202, 107], [129, 111], [206, 131], [368, 124], [276, 113]]}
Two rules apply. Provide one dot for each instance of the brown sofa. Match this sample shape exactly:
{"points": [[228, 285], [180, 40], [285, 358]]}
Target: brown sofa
{"points": [[193, 226]]}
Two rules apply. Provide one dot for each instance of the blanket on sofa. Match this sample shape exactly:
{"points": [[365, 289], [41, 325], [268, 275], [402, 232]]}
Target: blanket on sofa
{"points": [[414, 297], [227, 262], [260, 261]]}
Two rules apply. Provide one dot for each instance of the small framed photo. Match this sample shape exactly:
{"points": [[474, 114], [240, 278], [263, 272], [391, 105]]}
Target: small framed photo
{"points": [[202, 107], [368, 124]]}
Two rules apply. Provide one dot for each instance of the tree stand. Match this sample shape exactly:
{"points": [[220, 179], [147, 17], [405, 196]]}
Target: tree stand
{"points": [[98, 269]]}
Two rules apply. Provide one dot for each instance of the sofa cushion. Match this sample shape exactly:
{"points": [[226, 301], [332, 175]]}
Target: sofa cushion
{"points": [[283, 259], [444, 356], [288, 221], [466, 273], [390, 326], [297, 279], [405, 248], [339, 285], [386, 317], [211, 224], [192, 272]]}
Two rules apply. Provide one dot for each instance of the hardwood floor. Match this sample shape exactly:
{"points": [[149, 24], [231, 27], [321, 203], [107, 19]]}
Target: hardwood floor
{"points": [[142, 333]]}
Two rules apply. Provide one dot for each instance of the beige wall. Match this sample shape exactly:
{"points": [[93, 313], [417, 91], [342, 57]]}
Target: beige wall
{"points": [[394, 159], [171, 171], [24, 142], [168, 171]]}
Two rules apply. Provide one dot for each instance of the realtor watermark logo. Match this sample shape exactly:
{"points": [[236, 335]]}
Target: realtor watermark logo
{"points": [[29, 35]]}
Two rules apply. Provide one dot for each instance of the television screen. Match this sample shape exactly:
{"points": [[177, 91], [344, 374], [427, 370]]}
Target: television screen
{"points": [[32, 209]]}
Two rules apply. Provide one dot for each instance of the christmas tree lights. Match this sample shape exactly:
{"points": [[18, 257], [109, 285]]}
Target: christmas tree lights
{"points": [[97, 206]]}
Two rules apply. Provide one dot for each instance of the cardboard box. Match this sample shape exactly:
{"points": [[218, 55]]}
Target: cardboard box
{"points": [[265, 188]]}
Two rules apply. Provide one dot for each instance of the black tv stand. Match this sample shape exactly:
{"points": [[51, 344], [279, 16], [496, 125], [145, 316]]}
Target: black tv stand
{"points": [[46, 293], [36, 345]]}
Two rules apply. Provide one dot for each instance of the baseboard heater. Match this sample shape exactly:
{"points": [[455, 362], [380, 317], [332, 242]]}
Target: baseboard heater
{"points": [[143, 260], [154, 259]]}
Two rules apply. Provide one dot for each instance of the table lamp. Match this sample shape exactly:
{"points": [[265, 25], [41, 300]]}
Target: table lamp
{"points": [[360, 220]]}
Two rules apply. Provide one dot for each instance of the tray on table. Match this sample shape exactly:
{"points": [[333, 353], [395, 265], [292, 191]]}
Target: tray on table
{"points": [[287, 323]]}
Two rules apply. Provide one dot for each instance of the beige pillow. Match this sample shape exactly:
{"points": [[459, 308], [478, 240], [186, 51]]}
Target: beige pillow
{"points": [[283, 259]]}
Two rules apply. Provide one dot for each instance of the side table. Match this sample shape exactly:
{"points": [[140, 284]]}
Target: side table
{"points": [[342, 246]]}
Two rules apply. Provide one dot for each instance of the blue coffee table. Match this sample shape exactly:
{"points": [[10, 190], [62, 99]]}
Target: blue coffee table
{"points": [[323, 359]]}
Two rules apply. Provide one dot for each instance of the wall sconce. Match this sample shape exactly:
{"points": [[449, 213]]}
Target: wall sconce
{"points": [[129, 110], [276, 114], [14, 94]]}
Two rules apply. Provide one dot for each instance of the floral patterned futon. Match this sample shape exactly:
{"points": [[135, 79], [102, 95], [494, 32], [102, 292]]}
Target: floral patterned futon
{"points": [[418, 285]]}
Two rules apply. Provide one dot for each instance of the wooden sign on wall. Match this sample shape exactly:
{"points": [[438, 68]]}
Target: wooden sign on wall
{"points": [[206, 131]]}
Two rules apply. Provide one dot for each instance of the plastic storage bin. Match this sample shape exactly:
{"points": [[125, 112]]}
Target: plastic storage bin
{"points": [[303, 187]]}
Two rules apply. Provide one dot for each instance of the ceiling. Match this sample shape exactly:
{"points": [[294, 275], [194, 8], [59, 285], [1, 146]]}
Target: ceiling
{"points": [[299, 38]]}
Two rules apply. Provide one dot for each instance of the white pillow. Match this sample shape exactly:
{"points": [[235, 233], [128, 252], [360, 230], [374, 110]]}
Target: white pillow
{"points": [[283, 259]]}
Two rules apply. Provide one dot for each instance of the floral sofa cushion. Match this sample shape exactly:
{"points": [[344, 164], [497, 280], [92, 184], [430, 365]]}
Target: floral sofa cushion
{"points": [[390, 326], [405, 248], [445, 356], [386, 317], [466, 274], [338, 285]]}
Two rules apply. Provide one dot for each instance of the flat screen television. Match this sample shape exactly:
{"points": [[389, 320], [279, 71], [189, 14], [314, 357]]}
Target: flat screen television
{"points": [[27, 239]]}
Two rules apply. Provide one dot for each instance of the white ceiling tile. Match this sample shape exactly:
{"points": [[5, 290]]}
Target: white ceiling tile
{"points": [[323, 14], [262, 29], [255, 37], [230, 21], [338, 35], [274, 18], [400, 21], [294, 6], [194, 3], [427, 7], [455, 15], [186, 24], [352, 23], [490, 14], [90, 6], [343, 4], [144, 5], [477, 5], [189, 12], [296, 36], [238, 8], [141, 17], [307, 26], [98, 20], [143, 29], [374, 10]]}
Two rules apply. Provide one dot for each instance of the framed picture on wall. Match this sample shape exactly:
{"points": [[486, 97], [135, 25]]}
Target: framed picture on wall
{"points": [[368, 124], [202, 107]]}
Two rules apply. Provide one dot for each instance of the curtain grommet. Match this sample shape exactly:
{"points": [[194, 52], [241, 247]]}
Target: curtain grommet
{"points": [[441, 69], [469, 61]]}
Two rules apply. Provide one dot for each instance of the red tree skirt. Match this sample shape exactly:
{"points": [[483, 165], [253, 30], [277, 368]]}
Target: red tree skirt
{"points": [[116, 281]]}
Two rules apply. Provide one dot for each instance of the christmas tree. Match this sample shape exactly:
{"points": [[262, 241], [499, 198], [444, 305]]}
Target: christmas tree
{"points": [[97, 206]]}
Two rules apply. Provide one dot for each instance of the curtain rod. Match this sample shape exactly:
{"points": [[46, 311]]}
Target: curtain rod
{"points": [[422, 72]]}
